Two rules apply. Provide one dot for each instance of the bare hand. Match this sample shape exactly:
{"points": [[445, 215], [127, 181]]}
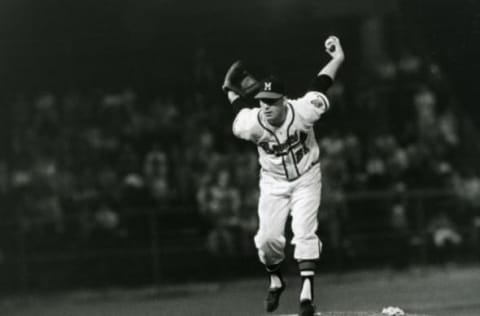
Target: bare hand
{"points": [[334, 48]]}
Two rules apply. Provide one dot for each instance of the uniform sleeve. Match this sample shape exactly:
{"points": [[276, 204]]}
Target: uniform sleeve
{"points": [[246, 125], [321, 83], [311, 106]]}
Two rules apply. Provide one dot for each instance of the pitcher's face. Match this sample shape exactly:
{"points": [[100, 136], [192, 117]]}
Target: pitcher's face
{"points": [[273, 110]]}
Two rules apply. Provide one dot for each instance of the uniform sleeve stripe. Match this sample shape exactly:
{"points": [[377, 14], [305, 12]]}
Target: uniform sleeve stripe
{"points": [[325, 100]]}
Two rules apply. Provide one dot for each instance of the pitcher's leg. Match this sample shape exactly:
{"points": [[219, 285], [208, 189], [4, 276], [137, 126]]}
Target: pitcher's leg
{"points": [[273, 210], [305, 205], [270, 238]]}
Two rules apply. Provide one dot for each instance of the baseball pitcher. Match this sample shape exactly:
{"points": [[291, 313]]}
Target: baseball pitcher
{"points": [[290, 175]]}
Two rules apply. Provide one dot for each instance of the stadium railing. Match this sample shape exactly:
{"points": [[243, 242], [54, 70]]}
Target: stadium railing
{"points": [[365, 229]]}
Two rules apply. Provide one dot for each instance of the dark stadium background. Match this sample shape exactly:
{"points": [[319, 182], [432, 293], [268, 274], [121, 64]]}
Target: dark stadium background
{"points": [[150, 43], [98, 49]]}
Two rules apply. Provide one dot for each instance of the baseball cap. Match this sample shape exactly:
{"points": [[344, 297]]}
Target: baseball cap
{"points": [[270, 88]]}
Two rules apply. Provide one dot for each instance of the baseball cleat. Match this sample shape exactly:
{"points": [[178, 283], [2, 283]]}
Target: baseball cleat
{"points": [[306, 308], [273, 298]]}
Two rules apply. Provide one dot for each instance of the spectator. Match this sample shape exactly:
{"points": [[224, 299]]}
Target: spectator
{"points": [[399, 236], [219, 202], [157, 178], [445, 238]]}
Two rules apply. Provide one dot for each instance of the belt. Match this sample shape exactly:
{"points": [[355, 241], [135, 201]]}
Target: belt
{"points": [[316, 162]]}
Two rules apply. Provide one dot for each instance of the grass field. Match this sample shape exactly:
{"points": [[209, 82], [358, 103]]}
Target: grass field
{"points": [[452, 291]]}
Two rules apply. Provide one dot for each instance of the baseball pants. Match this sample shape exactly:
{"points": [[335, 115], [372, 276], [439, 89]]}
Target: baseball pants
{"points": [[278, 199]]}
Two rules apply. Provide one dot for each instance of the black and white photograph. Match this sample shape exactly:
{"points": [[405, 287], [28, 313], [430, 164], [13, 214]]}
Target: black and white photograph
{"points": [[239, 158]]}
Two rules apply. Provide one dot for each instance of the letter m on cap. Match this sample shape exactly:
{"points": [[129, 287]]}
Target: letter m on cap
{"points": [[267, 86]]}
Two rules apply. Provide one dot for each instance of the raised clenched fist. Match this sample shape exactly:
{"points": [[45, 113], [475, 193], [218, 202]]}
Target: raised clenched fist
{"points": [[333, 47]]}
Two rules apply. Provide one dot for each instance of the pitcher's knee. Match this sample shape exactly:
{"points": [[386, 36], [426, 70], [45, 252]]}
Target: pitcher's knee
{"points": [[270, 248], [269, 242]]}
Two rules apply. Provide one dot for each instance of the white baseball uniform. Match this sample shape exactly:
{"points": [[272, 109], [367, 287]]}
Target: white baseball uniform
{"points": [[290, 177]]}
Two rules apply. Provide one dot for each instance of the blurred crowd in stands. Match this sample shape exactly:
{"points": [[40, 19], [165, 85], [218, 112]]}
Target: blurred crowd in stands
{"points": [[89, 167]]}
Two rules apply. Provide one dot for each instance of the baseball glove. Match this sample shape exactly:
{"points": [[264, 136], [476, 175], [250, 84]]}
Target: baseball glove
{"points": [[239, 80]]}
